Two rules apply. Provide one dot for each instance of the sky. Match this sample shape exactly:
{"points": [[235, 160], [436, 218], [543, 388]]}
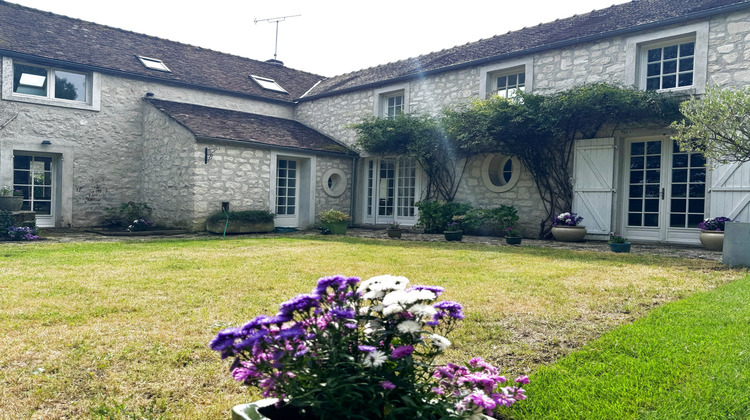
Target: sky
{"points": [[330, 37]]}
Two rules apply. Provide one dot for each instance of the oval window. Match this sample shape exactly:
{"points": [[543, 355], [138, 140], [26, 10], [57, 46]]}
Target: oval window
{"points": [[334, 182], [500, 173]]}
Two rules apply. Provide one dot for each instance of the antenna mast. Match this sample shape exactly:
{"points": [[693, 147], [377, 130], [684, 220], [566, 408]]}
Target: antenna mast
{"points": [[275, 20]]}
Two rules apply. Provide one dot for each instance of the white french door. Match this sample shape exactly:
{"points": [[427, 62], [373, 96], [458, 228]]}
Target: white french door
{"points": [[665, 191], [287, 192], [392, 186], [34, 176]]}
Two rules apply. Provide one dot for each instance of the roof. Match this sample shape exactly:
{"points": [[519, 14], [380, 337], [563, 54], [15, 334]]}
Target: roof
{"points": [[34, 34], [622, 18], [222, 124]]}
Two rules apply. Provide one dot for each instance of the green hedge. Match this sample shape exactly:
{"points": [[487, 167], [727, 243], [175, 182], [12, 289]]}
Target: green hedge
{"points": [[434, 215], [250, 216]]}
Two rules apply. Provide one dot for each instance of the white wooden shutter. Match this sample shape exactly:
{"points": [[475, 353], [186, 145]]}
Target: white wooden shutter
{"points": [[593, 176], [730, 192]]}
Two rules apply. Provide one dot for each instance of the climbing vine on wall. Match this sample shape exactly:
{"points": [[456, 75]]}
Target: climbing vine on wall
{"points": [[539, 130]]}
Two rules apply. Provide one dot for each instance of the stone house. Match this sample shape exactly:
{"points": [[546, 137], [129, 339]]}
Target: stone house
{"points": [[187, 129]]}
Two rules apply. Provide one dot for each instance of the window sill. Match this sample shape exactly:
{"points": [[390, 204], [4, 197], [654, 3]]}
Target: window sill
{"points": [[52, 102]]}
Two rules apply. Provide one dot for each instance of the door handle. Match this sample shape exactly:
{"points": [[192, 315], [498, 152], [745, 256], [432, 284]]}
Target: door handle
{"points": [[662, 193]]}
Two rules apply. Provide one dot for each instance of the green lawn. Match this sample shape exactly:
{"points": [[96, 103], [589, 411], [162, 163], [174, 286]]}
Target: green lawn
{"points": [[120, 329]]}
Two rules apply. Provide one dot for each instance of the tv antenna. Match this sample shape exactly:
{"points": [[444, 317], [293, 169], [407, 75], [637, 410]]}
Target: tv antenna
{"points": [[275, 20]]}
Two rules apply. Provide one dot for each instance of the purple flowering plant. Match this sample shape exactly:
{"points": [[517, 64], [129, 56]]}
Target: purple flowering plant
{"points": [[22, 233], [363, 349], [567, 219], [714, 223]]}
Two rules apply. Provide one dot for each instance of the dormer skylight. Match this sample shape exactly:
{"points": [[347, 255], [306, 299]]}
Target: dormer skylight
{"points": [[153, 64], [268, 84]]}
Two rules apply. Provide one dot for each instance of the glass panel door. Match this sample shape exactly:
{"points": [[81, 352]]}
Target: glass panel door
{"points": [[666, 190], [286, 192], [386, 189], [32, 175], [392, 187]]}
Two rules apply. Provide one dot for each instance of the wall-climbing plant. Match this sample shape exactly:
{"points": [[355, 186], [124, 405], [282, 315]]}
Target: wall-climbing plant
{"points": [[539, 130]]}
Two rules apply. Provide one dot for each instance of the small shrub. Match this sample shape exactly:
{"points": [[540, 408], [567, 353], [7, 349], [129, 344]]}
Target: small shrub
{"points": [[22, 233], [124, 215], [434, 216], [249, 216], [492, 222], [334, 216], [6, 221]]}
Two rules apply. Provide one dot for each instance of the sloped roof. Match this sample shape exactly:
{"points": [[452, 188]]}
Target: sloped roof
{"points": [[622, 18], [222, 124], [35, 34]]}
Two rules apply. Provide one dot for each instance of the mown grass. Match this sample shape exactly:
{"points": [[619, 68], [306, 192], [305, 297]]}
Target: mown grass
{"points": [[120, 329], [686, 360]]}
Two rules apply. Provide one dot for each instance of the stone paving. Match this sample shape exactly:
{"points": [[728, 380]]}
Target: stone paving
{"points": [[80, 235]]}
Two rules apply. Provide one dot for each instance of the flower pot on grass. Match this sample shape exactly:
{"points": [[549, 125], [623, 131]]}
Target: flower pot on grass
{"points": [[513, 240], [454, 235], [713, 240], [335, 221], [336, 228], [393, 232], [569, 233], [624, 247]]}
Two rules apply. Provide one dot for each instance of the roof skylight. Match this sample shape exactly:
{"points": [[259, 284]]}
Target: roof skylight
{"points": [[153, 64], [268, 84]]}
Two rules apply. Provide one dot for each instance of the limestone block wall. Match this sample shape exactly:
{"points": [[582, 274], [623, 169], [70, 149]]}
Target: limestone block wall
{"points": [[729, 50], [104, 151], [168, 169], [324, 201]]}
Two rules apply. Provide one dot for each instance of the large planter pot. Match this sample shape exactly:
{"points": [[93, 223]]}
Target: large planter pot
{"points": [[569, 233], [11, 203], [454, 236], [736, 244], [336, 228], [393, 233], [712, 240], [513, 241], [623, 247]]}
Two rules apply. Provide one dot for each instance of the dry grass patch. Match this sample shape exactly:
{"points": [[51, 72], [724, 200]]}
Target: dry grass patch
{"points": [[120, 330]]}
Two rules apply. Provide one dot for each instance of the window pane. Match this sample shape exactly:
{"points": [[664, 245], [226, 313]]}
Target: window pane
{"points": [[696, 206], [676, 220], [653, 84], [501, 82], [678, 205], [652, 191], [650, 220], [686, 79], [636, 149], [70, 86], [653, 162], [697, 190], [30, 80], [694, 220], [521, 78], [635, 205], [686, 64], [670, 52], [653, 148], [512, 80], [687, 49], [680, 161], [636, 162], [669, 67], [679, 175], [668, 82], [698, 175], [636, 191], [653, 69], [679, 190], [654, 55], [636, 177], [697, 160], [653, 177], [634, 219]]}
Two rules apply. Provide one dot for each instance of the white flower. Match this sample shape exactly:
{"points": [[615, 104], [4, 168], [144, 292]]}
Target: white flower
{"points": [[375, 358], [424, 294], [426, 311], [392, 309], [372, 326], [440, 342], [409, 327], [378, 308], [407, 298], [383, 283], [373, 294]]}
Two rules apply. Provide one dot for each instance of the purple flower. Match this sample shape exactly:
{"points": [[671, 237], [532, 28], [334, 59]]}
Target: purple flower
{"points": [[437, 290], [292, 332], [366, 349], [346, 313], [337, 282], [448, 308], [403, 351], [523, 379], [224, 341], [387, 385], [301, 303]]}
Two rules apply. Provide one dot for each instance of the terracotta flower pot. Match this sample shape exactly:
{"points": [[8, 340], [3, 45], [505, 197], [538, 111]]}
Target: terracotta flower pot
{"points": [[569, 233]]}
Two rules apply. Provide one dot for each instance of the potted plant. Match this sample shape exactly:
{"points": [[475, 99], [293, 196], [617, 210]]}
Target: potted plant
{"points": [[393, 230], [566, 227], [323, 351], [712, 232], [335, 221], [453, 230], [618, 243], [512, 236], [10, 199]]}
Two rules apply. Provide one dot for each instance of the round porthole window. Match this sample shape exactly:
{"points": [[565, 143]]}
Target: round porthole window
{"points": [[500, 173], [334, 182]]}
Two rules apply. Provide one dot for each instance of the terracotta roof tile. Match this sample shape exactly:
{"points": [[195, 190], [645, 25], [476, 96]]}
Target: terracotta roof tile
{"points": [[215, 123]]}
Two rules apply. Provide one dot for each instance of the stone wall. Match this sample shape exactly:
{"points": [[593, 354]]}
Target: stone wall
{"points": [[323, 201], [105, 150], [599, 61]]}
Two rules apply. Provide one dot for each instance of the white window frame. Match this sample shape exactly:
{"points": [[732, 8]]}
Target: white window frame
{"points": [[637, 47], [488, 73], [381, 99], [93, 87]]}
